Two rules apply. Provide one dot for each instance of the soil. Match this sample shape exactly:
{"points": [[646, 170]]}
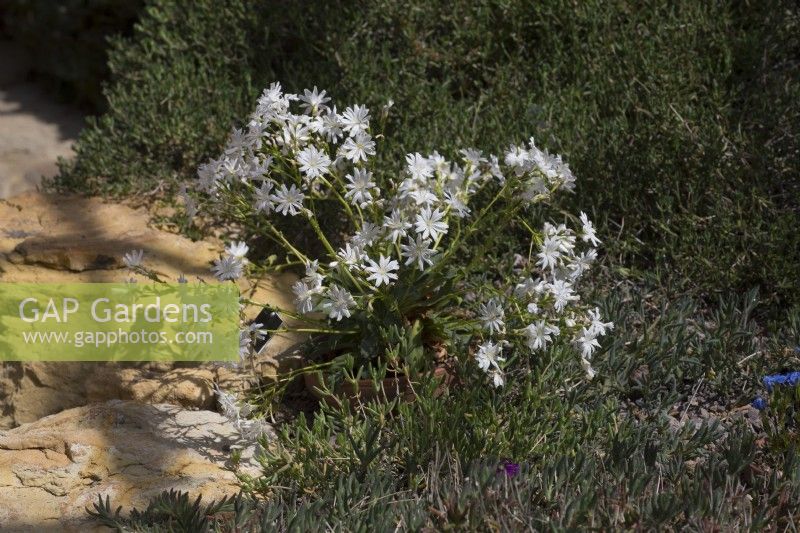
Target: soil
{"points": [[35, 131]]}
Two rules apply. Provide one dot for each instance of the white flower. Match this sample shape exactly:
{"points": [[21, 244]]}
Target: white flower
{"points": [[294, 134], [497, 379], [535, 190], [423, 196], [418, 251], [351, 256], [587, 367], [271, 95], [358, 147], [313, 101], [493, 316], [529, 287], [258, 169], [133, 258], [355, 119], [397, 226], [588, 230], [227, 267], [418, 167], [244, 343], [456, 204], [597, 325], [238, 250], [313, 277], [494, 170], [313, 162], [549, 254], [488, 356], [338, 302], [581, 263], [588, 342], [382, 272], [562, 234], [517, 158], [332, 126], [563, 294], [429, 223], [368, 234], [207, 176], [304, 297], [263, 199], [539, 334], [228, 404], [438, 162], [386, 107], [189, 204], [289, 201], [238, 142], [472, 156], [358, 187]]}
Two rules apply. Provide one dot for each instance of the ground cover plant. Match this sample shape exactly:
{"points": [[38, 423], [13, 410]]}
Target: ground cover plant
{"points": [[621, 452], [662, 436], [681, 120]]}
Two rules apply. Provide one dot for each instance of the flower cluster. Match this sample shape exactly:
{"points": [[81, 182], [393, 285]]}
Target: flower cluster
{"points": [[545, 303], [298, 151]]}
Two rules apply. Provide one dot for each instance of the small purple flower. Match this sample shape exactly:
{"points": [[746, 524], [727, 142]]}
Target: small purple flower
{"points": [[509, 468], [759, 403], [789, 379]]}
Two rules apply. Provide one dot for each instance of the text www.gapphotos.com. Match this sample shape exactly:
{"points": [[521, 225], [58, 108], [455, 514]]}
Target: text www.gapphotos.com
{"points": [[79, 339]]}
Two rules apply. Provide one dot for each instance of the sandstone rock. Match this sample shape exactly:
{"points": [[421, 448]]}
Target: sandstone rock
{"points": [[53, 238], [88, 236], [52, 469]]}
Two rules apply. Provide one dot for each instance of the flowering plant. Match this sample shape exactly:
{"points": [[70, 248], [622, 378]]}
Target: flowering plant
{"points": [[398, 283]]}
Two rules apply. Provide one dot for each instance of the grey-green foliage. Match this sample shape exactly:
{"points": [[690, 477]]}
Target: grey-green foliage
{"points": [[602, 455]]}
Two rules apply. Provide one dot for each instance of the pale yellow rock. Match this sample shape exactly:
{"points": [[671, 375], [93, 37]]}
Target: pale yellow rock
{"points": [[88, 235], [67, 238], [52, 469]]}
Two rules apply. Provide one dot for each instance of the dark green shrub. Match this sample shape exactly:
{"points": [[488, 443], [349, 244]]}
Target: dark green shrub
{"points": [[177, 86], [680, 120]]}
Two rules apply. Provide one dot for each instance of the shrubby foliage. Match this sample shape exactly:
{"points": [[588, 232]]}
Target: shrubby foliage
{"points": [[177, 87], [681, 117], [682, 121]]}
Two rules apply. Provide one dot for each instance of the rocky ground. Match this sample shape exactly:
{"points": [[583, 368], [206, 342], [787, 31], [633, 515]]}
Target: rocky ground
{"points": [[34, 130], [71, 432], [66, 428], [52, 469]]}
